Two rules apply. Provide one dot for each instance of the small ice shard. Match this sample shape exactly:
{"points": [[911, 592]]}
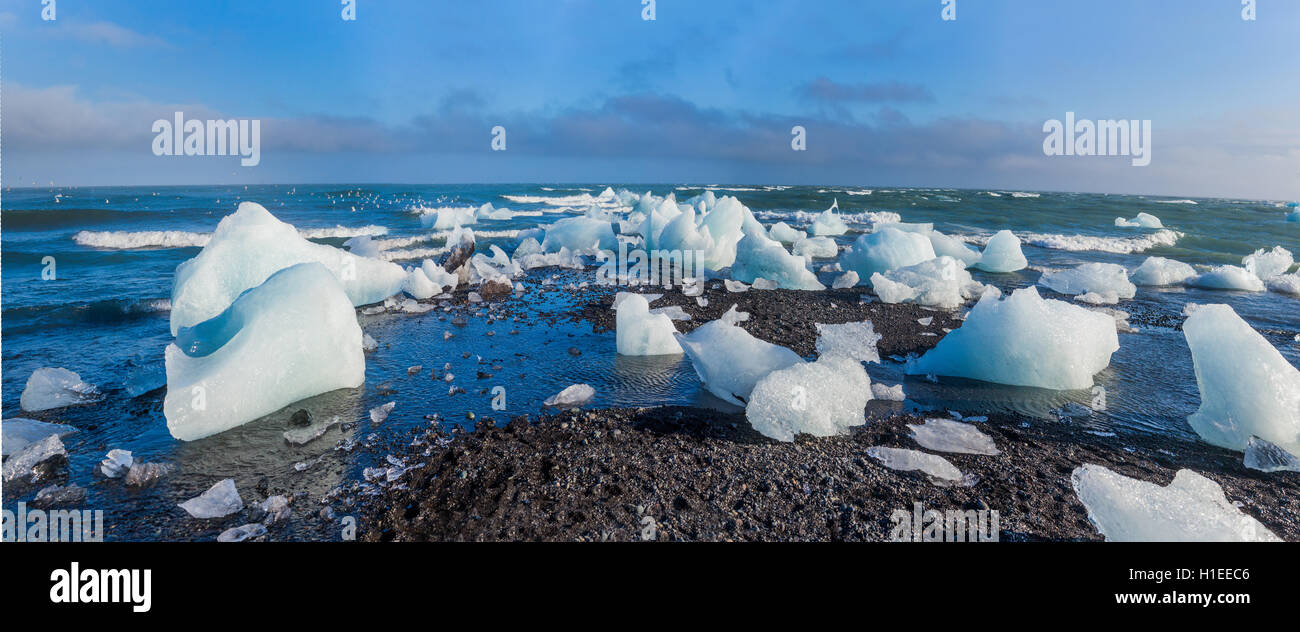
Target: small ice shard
{"points": [[822, 399], [1266, 457], [49, 388], [116, 463], [829, 222], [782, 232], [1024, 340], [1192, 508], [942, 282], [59, 496], [379, 413], [19, 432], [925, 322], [846, 280], [760, 257], [947, 435], [887, 393], [368, 343], [142, 474], [242, 532], [580, 234], [251, 245], [1108, 281], [276, 509], [575, 395], [1002, 254], [222, 499], [733, 316], [701, 301], [735, 286], [1267, 264], [1143, 220], [884, 250], [1161, 272], [1247, 387], [307, 434], [856, 341], [907, 460], [1227, 278], [36, 461], [674, 312], [292, 337], [638, 332], [763, 284], [729, 361]]}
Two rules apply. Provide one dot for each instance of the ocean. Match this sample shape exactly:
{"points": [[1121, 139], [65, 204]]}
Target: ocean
{"points": [[87, 275]]}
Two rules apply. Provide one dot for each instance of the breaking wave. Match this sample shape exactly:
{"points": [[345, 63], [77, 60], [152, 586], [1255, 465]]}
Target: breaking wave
{"points": [[160, 239], [1118, 245]]}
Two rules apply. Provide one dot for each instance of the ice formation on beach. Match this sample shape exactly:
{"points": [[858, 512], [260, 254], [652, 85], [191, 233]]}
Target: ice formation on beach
{"points": [[816, 248], [829, 223], [571, 396], [1161, 272], [242, 532], [49, 388], [948, 246], [888, 393], [1143, 220], [782, 232], [730, 362], [948, 435], [1002, 254], [760, 257], [116, 463], [1227, 278], [856, 341], [1285, 284], [580, 234], [822, 399], [1267, 264], [640, 333], [220, 500], [846, 280], [1192, 508], [1108, 280], [907, 460], [941, 282], [1247, 387], [25, 464], [1266, 457], [884, 250], [292, 337], [248, 247], [17, 433], [1024, 340]]}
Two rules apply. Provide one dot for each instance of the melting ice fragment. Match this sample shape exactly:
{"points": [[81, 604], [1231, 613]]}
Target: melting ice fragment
{"points": [[19, 432], [1002, 254], [1024, 340], [1143, 220], [1266, 457], [1267, 264], [292, 337], [1108, 280], [829, 222], [1247, 387], [116, 463], [760, 257], [222, 499], [1227, 278], [379, 413], [242, 532], [249, 246], [856, 341], [580, 234], [1162, 272], [907, 460], [941, 282], [884, 250], [730, 362], [888, 393], [1190, 509], [947, 435], [641, 333], [36, 460], [49, 388], [575, 395], [822, 399]]}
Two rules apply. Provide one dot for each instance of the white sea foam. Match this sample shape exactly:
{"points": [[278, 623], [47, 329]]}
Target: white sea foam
{"points": [[1118, 245], [161, 239]]}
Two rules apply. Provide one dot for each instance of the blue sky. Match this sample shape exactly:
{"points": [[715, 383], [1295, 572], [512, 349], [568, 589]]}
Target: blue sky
{"points": [[889, 92]]}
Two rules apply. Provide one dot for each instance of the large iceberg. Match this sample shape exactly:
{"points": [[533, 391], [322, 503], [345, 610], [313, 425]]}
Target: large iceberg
{"points": [[640, 333], [1107, 280], [829, 223], [292, 337], [248, 247], [821, 399], [941, 282], [1002, 254], [1192, 508], [760, 257], [1143, 220], [1024, 340], [49, 388], [1227, 278], [884, 250], [1267, 264], [1247, 387], [1161, 272], [730, 362]]}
